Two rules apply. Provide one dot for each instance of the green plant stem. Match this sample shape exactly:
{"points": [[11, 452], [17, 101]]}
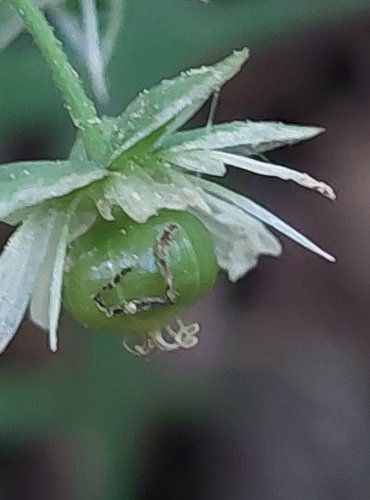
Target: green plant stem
{"points": [[79, 106]]}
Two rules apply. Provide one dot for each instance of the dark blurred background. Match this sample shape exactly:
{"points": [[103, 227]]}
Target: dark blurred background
{"points": [[274, 402]]}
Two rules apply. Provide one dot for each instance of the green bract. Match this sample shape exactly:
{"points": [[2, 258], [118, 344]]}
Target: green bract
{"points": [[27, 184], [106, 208]]}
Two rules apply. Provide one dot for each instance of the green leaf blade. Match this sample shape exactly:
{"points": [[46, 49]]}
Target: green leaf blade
{"points": [[174, 101]]}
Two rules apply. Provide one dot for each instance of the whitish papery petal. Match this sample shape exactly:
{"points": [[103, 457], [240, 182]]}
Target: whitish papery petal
{"points": [[55, 299], [173, 102], [46, 296], [141, 197], [271, 170], [252, 208], [20, 262], [254, 137], [196, 161], [39, 306], [239, 238]]}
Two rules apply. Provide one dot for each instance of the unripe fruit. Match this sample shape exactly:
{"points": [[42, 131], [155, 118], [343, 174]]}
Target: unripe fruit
{"points": [[119, 268]]}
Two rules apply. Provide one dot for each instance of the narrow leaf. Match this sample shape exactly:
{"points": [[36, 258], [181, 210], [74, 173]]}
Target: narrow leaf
{"points": [[175, 101], [27, 184], [254, 137]]}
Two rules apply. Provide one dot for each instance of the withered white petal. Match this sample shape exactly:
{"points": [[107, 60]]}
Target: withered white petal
{"points": [[269, 169], [239, 238], [55, 299], [46, 295], [39, 307], [263, 215]]}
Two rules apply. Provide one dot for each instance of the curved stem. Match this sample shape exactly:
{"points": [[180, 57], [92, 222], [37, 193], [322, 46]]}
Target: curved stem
{"points": [[79, 106]]}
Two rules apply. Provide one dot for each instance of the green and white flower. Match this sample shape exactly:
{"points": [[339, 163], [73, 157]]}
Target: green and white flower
{"points": [[148, 165]]}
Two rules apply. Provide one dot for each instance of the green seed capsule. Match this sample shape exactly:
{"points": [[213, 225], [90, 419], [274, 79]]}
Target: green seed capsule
{"points": [[128, 277]]}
